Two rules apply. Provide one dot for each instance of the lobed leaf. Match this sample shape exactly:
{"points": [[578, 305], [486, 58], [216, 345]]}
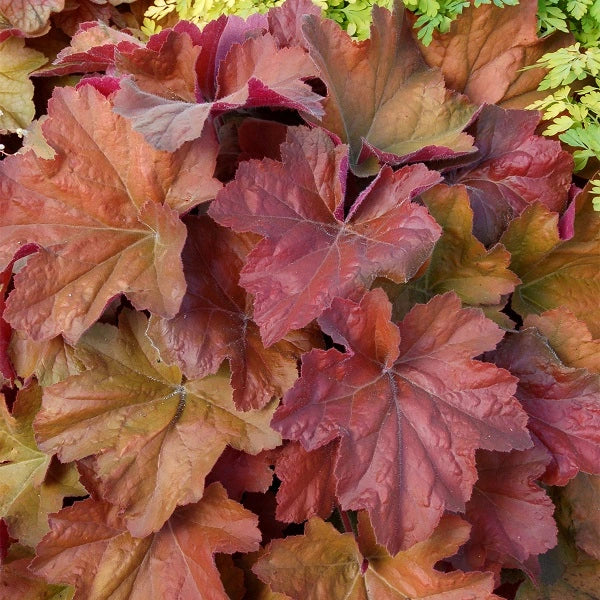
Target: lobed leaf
{"points": [[563, 404], [105, 212], [557, 273], [31, 485], [90, 548], [253, 73], [29, 17], [569, 337], [383, 99], [409, 406], [512, 169], [215, 322], [511, 516], [16, 90], [484, 53], [308, 482], [313, 251], [151, 438], [323, 563], [459, 261]]}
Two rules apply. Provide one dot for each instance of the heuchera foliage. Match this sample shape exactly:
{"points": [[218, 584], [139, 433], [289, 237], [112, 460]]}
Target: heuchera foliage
{"points": [[289, 316]]}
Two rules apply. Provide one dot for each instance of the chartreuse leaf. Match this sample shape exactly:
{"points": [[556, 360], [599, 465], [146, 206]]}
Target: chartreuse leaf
{"points": [[557, 273], [89, 547], [410, 407], [31, 484], [324, 563], [313, 251], [105, 212], [16, 90], [382, 97], [151, 436]]}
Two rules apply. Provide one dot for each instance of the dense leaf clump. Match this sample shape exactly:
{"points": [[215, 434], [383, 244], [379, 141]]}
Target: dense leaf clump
{"points": [[286, 315]]}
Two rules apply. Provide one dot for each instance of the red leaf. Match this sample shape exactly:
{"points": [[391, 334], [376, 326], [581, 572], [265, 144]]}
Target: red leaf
{"points": [[215, 321], [513, 168], [89, 547], [383, 98], [84, 11], [307, 482], [241, 472], [105, 211], [312, 251], [92, 49], [410, 407], [285, 22], [563, 404], [254, 73], [6, 367], [511, 516]]}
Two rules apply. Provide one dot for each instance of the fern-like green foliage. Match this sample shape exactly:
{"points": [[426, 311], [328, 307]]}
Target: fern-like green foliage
{"points": [[580, 17], [572, 110], [353, 15]]}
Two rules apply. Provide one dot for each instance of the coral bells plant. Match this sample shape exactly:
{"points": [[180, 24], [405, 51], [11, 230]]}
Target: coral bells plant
{"points": [[283, 315]]}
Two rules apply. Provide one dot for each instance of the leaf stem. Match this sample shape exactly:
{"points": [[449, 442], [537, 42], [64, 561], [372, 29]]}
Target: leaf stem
{"points": [[346, 522]]}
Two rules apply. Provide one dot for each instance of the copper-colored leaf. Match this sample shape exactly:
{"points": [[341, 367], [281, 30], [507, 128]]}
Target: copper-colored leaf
{"points": [[92, 49], [18, 582], [382, 96], [89, 547], [487, 46], [153, 436], [563, 404], [50, 361], [313, 251], [557, 273], [240, 472], [569, 337], [105, 212], [31, 486], [410, 407], [254, 73], [307, 482], [459, 261], [215, 321], [582, 497], [512, 169], [511, 516], [323, 563]]}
